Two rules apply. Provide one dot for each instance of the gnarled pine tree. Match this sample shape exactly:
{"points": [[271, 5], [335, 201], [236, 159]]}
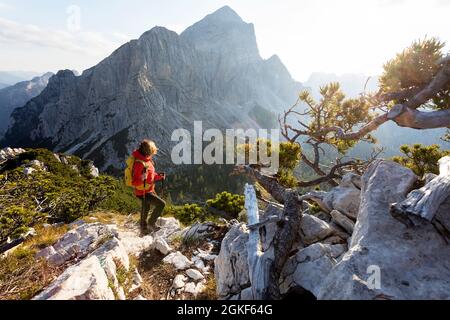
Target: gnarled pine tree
{"points": [[414, 92]]}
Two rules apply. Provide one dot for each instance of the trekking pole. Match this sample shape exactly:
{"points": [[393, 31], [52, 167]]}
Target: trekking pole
{"points": [[162, 185], [144, 199]]}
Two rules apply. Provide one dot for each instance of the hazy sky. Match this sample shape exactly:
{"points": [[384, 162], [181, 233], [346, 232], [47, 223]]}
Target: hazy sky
{"points": [[339, 36]]}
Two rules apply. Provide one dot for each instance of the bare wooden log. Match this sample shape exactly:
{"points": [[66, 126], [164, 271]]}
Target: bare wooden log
{"points": [[412, 118], [401, 95], [402, 115], [426, 201], [439, 82], [265, 267], [285, 237], [277, 191], [276, 204], [258, 264], [260, 224]]}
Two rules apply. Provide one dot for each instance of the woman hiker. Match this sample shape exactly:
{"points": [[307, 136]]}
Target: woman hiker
{"points": [[144, 178]]}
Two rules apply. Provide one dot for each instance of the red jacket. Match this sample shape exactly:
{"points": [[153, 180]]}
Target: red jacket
{"points": [[138, 172]]}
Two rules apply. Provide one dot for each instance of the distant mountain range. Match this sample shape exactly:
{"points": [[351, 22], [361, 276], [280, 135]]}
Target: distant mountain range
{"points": [[150, 86], [164, 81], [17, 95], [8, 78]]}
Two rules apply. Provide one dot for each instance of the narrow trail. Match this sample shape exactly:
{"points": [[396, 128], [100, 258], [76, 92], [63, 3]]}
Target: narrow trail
{"points": [[109, 260]]}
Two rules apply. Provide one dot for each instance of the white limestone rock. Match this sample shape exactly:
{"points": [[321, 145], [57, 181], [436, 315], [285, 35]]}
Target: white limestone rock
{"points": [[77, 243], [134, 244], [198, 263], [313, 229], [307, 269], [343, 221], [28, 171], [231, 268], [413, 262], [346, 197], [161, 245], [193, 288], [179, 281], [168, 227], [93, 170], [199, 231], [179, 261], [194, 274], [84, 281], [205, 255]]}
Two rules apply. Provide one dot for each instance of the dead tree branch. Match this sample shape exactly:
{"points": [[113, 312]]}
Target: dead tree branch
{"points": [[265, 267]]}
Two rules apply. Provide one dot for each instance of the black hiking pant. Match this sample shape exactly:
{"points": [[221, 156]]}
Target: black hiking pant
{"points": [[151, 199]]}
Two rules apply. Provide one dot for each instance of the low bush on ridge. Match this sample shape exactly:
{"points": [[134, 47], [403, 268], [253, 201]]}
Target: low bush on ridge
{"points": [[60, 193]]}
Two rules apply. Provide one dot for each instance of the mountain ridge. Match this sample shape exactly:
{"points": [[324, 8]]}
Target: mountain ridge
{"points": [[149, 87]]}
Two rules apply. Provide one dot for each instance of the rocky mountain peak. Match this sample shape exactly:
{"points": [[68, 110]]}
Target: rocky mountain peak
{"points": [[57, 81], [277, 65], [157, 31], [211, 72], [65, 74], [224, 14], [224, 32]]}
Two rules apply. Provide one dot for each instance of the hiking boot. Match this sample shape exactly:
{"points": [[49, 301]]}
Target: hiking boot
{"points": [[144, 231]]}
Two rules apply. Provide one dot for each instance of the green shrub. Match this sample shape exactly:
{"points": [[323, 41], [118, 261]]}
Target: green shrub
{"points": [[314, 208], [14, 221], [191, 213], [122, 199], [289, 155], [187, 214], [287, 178], [225, 201], [421, 159], [79, 197], [58, 194]]}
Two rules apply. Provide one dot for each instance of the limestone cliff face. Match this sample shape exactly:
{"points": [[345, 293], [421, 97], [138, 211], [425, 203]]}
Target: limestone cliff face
{"points": [[150, 86], [17, 95]]}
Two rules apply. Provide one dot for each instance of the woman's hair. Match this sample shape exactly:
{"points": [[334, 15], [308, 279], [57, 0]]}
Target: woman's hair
{"points": [[148, 148]]}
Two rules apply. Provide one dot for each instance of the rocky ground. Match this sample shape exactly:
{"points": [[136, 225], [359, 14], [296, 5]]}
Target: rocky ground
{"points": [[350, 248], [353, 248], [102, 256], [108, 261]]}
